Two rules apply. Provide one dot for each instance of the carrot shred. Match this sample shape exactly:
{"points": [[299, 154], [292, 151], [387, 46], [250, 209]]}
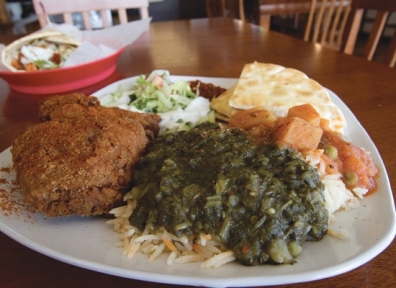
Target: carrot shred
{"points": [[201, 251], [168, 243]]}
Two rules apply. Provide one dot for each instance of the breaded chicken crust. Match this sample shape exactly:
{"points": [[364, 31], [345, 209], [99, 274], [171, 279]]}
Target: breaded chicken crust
{"points": [[76, 104], [81, 159]]}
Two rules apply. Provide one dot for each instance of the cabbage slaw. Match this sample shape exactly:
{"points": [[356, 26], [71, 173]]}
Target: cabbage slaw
{"points": [[179, 107]]}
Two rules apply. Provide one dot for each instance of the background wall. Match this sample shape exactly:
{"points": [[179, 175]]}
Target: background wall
{"points": [[176, 9]]}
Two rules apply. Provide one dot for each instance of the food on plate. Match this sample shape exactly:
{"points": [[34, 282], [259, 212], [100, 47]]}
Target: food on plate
{"points": [[250, 118], [277, 89], [206, 90], [297, 133], [254, 191], [255, 202], [306, 112], [81, 159], [42, 50], [178, 105], [154, 93], [221, 106], [347, 169], [358, 170], [78, 105]]}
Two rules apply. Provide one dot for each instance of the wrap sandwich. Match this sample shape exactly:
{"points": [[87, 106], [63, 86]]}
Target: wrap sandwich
{"points": [[42, 50]]}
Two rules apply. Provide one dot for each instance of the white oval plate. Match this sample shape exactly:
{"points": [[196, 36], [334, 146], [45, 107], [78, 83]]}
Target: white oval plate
{"points": [[91, 243]]}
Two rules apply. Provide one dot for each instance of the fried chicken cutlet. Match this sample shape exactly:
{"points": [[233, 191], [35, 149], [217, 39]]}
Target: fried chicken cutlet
{"points": [[77, 104], [81, 159]]}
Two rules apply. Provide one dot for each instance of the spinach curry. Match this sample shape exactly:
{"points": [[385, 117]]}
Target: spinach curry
{"points": [[259, 201]]}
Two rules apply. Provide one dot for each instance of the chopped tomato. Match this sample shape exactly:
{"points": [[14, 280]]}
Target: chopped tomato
{"points": [[352, 159]]}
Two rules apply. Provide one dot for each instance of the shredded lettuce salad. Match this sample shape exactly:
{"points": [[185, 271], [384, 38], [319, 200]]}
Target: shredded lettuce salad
{"points": [[178, 106]]}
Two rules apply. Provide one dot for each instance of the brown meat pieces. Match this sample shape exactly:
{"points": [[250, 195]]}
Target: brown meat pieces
{"points": [[82, 160]]}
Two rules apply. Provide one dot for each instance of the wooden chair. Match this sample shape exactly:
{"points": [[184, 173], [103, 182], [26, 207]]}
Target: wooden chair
{"points": [[326, 22], [44, 8], [383, 8]]}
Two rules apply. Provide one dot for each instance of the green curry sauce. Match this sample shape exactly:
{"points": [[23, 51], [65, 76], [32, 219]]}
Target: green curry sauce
{"points": [[259, 201]]}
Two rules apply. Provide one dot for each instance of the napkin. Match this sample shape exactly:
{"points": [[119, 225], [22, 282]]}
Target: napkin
{"points": [[97, 44]]}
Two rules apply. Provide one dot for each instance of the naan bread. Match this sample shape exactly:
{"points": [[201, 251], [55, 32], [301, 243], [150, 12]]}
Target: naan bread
{"points": [[278, 88]]}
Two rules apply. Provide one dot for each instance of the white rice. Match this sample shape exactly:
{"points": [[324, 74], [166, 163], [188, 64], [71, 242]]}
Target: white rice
{"points": [[337, 196], [181, 249]]}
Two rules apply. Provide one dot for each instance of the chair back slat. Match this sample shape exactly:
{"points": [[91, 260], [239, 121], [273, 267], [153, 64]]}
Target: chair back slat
{"points": [[311, 14], [351, 31], [337, 18], [341, 29], [66, 8], [87, 20], [318, 22], [326, 22], [378, 27], [67, 17], [122, 15], [105, 18]]}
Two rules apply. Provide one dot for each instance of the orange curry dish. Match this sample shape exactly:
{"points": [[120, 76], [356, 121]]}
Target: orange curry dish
{"points": [[303, 129], [352, 162]]}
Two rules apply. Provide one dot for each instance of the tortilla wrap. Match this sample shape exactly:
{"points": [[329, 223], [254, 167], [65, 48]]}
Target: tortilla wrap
{"points": [[7, 54]]}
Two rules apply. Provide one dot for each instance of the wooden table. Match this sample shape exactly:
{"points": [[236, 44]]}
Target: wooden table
{"points": [[219, 48]]}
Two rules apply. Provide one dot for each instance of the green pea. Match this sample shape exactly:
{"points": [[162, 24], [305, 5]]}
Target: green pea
{"points": [[350, 178], [330, 151]]}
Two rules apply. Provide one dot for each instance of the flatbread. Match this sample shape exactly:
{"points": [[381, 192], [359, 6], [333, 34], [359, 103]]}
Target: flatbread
{"points": [[278, 88]]}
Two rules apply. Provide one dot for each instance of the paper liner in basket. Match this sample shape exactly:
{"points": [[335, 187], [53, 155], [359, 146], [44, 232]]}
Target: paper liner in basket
{"points": [[90, 45]]}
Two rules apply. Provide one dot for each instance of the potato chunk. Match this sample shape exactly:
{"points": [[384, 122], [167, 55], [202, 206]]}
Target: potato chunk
{"points": [[306, 112], [247, 119], [297, 133]]}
